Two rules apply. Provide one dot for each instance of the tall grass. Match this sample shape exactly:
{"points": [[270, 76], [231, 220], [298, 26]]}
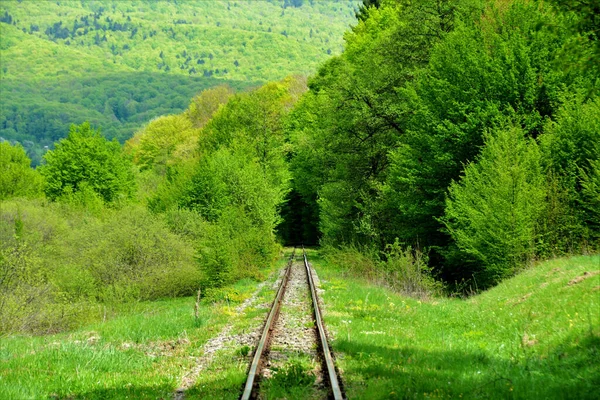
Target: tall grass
{"points": [[402, 269]]}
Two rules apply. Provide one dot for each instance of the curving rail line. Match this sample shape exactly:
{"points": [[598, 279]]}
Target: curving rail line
{"points": [[251, 386]]}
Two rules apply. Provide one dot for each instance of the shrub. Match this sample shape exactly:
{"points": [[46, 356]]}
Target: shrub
{"points": [[408, 272], [17, 178], [133, 256], [57, 262], [234, 248], [361, 262], [492, 212], [30, 301], [403, 269]]}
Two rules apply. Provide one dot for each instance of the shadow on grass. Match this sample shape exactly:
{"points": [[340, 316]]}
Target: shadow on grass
{"points": [[131, 392], [218, 386], [570, 370]]}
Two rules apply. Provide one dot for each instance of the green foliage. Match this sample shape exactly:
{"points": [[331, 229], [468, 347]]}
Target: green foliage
{"points": [[389, 125], [57, 262], [138, 259], [86, 158], [492, 212], [407, 271], [234, 248], [169, 140], [267, 39], [571, 153], [357, 113], [37, 115], [233, 182], [401, 268], [583, 48], [363, 10], [120, 65], [482, 73], [17, 177], [240, 182], [204, 106], [590, 196], [155, 144]]}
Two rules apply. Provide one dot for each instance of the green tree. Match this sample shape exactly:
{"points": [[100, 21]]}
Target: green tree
{"points": [[86, 159], [493, 210], [357, 113], [498, 66], [584, 45], [571, 149], [156, 143], [204, 106], [363, 9], [17, 178]]}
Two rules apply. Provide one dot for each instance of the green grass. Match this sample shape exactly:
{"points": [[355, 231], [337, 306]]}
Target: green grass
{"points": [[143, 353], [533, 336], [293, 380]]}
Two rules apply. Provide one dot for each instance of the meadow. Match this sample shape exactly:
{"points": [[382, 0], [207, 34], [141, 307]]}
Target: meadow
{"points": [[536, 335]]}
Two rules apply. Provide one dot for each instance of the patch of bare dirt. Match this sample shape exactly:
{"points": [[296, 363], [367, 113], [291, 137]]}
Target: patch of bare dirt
{"points": [[583, 277], [529, 341], [522, 299]]}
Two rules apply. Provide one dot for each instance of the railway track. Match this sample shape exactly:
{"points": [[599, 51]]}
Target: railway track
{"points": [[294, 326]]}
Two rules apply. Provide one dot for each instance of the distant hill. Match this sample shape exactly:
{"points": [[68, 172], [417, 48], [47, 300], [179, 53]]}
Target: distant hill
{"points": [[121, 63]]}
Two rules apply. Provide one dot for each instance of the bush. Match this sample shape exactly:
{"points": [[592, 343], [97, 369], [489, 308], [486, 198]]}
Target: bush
{"points": [[57, 262], [133, 256], [358, 262], [17, 177], [234, 248], [403, 269], [492, 212], [408, 272], [29, 299]]}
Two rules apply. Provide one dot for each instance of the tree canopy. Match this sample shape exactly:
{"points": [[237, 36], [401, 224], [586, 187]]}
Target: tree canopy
{"points": [[85, 159]]}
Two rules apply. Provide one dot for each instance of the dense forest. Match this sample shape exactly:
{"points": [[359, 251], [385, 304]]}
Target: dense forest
{"points": [[119, 64], [466, 129], [449, 146]]}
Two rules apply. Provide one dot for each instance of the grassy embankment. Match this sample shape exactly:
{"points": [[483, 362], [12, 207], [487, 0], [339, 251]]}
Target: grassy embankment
{"points": [[536, 335], [143, 353]]}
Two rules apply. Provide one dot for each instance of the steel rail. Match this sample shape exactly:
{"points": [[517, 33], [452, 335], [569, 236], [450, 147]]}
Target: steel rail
{"points": [[332, 375], [246, 395]]}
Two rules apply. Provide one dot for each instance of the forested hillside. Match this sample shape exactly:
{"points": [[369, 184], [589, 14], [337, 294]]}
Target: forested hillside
{"points": [[120, 64]]}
